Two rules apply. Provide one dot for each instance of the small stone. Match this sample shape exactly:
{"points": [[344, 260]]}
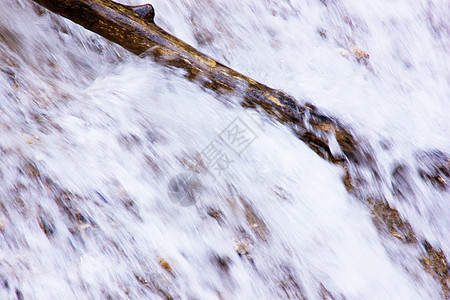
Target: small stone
{"points": [[163, 263], [360, 55], [2, 226], [343, 52], [240, 248]]}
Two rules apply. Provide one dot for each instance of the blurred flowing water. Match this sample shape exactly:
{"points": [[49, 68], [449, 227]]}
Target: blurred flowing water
{"points": [[91, 136]]}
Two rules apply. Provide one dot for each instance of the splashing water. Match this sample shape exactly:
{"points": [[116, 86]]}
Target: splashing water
{"points": [[92, 137]]}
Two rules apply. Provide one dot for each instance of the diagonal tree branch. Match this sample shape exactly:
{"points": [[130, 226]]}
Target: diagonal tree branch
{"points": [[134, 29]]}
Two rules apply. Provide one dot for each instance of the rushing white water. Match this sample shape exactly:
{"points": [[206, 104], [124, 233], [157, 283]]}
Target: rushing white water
{"points": [[90, 137]]}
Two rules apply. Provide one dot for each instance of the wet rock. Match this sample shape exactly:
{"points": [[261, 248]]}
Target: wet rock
{"points": [[434, 167], [11, 76], [45, 123], [31, 170], [436, 264], [156, 285], [360, 55], [281, 194], [386, 217], [10, 39], [47, 227], [242, 247], [152, 162], [68, 203], [223, 262], [193, 163], [255, 222], [2, 226], [5, 284], [322, 33], [19, 295], [401, 181], [215, 214], [325, 294], [129, 141], [290, 285], [129, 203], [165, 265]]}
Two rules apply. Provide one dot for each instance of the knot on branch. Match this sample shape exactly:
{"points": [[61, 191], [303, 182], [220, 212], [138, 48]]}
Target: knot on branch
{"points": [[146, 11]]}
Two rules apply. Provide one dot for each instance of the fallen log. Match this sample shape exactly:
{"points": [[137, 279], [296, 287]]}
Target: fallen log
{"points": [[134, 29]]}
